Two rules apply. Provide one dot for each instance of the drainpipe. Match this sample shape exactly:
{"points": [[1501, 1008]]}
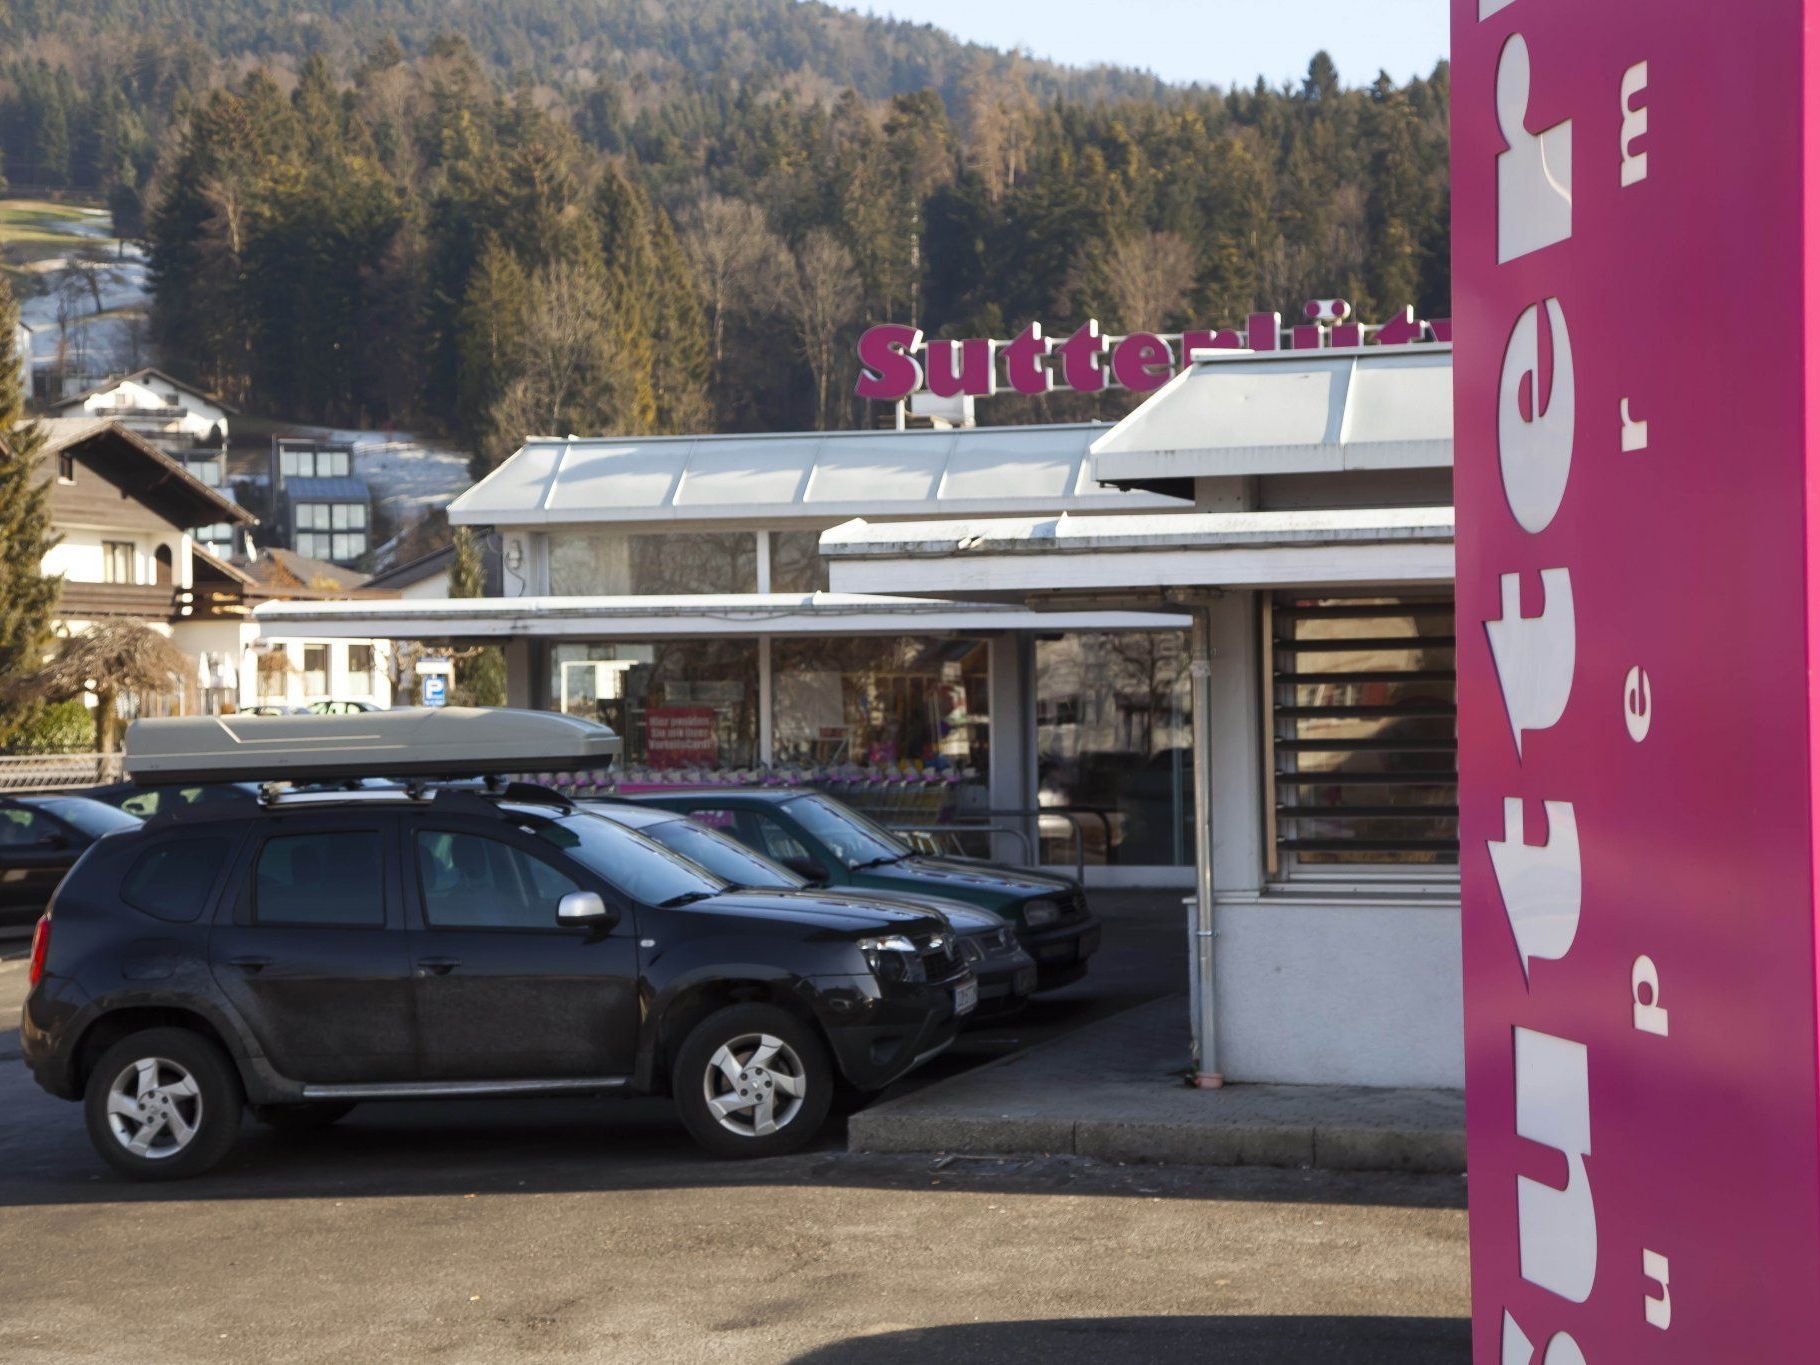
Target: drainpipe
{"points": [[1206, 1036]]}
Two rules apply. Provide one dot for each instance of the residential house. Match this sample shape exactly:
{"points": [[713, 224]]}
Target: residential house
{"points": [[173, 415], [323, 511]]}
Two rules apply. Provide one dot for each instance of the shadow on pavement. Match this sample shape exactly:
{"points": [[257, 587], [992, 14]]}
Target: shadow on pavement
{"points": [[1201, 1340]]}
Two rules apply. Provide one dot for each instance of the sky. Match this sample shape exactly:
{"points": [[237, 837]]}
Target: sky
{"points": [[1222, 42]]}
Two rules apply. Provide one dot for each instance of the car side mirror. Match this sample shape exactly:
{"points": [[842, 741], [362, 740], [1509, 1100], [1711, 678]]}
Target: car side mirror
{"points": [[583, 907]]}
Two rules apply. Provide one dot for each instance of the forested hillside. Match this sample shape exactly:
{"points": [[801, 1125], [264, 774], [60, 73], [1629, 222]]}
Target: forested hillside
{"points": [[568, 216]]}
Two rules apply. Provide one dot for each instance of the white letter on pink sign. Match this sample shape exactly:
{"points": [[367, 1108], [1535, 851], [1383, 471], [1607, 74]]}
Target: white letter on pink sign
{"points": [[1633, 166], [1536, 423], [1557, 1233], [1540, 886], [1517, 1349], [1536, 176], [1534, 655]]}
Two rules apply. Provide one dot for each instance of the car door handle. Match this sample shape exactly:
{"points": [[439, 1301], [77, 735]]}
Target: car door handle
{"points": [[437, 966], [250, 965]]}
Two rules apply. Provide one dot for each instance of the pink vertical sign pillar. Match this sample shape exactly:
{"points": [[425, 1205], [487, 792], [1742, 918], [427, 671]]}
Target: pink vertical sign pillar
{"points": [[1635, 215]]}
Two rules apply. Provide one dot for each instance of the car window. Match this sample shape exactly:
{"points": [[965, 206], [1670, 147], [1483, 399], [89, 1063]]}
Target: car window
{"points": [[472, 881], [330, 878], [22, 827], [774, 840], [93, 818], [722, 855], [636, 867], [850, 836], [172, 881]]}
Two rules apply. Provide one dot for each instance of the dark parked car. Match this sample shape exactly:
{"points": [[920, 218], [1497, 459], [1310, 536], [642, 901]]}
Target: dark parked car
{"points": [[834, 845], [1006, 973], [311, 951], [147, 801], [40, 839]]}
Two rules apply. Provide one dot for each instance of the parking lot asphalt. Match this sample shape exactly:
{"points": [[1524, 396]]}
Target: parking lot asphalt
{"points": [[592, 1230]]}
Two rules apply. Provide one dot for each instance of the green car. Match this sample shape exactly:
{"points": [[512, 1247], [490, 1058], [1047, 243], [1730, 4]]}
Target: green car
{"points": [[834, 845]]}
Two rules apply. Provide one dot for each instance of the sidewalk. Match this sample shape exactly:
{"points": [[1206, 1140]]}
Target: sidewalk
{"points": [[1114, 1090]]}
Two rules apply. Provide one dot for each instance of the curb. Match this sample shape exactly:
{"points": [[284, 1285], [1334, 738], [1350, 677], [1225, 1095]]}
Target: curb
{"points": [[896, 1127]]}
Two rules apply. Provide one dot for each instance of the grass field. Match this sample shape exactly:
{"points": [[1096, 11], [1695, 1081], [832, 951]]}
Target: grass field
{"points": [[33, 230]]}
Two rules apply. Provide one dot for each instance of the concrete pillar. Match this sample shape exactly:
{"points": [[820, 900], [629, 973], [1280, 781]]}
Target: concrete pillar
{"points": [[520, 678], [1011, 782]]}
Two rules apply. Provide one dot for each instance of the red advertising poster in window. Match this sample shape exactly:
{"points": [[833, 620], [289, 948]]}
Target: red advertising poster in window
{"points": [[1634, 215], [680, 736]]}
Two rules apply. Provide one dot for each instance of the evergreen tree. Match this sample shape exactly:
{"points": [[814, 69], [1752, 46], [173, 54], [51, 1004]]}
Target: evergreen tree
{"points": [[28, 599]]}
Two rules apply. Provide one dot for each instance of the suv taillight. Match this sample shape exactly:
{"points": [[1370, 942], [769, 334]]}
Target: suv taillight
{"points": [[41, 947]]}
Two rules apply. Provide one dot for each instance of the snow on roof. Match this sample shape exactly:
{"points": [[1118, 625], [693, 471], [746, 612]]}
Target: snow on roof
{"points": [[816, 476]]}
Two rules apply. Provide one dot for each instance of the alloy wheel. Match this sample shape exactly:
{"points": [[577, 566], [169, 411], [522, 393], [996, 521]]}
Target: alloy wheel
{"points": [[755, 1084], [154, 1108]]}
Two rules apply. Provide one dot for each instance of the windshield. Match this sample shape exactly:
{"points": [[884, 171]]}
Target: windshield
{"points": [[850, 836], [630, 863], [723, 856], [93, 818]]}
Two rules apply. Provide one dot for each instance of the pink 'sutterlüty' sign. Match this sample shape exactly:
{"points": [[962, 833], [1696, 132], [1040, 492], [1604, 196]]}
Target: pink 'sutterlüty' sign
{"points": [[1634, 181]]}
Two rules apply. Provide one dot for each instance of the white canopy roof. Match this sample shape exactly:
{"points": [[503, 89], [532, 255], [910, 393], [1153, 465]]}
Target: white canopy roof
{"points": [[810, 477], [1109, 556], [1290, 412], [698, 617]]}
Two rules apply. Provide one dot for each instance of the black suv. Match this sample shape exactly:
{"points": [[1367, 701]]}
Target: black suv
{"points": [[302, 954]]}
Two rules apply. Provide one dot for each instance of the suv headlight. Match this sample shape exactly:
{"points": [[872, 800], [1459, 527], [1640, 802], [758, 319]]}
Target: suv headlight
{"points": [[1038, 914], [893, 957]]}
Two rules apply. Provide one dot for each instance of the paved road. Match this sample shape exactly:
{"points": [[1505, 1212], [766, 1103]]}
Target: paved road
{"points": [[589, 1230]]}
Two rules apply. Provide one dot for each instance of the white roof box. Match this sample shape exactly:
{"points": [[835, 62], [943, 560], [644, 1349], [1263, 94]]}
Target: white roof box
{"points": [[450, 742]]}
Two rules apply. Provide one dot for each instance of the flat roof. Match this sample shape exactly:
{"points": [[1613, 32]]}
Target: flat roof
{"points": [[1018, 558], [713, 615], [810, 477], [1290, 412]]}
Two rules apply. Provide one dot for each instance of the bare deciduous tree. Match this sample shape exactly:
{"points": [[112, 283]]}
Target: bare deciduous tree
{"points": [[1147, 278], [564, 359], [822, 298], [737, 260]]}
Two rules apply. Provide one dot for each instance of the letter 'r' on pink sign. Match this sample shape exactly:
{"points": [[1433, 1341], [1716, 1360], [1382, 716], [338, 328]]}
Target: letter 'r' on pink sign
{"points": [[1143, 362]]}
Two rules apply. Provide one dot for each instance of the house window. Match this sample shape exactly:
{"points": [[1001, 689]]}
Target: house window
{"points": [[345, 548], [274, 672], [315, 670], [348, 516], [117, 562], [1362, 736], [66, 467], [360, 670]]}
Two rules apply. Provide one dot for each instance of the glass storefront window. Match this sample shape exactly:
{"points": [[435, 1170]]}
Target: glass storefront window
{"points": [[872, 702], [1113, 737], [655, 564], [676, 703], [796, 562]]}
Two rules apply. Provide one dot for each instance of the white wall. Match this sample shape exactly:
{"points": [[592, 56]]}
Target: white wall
{"points": [[80, 559], [1340, 992], [120, 400], [436, 585]]}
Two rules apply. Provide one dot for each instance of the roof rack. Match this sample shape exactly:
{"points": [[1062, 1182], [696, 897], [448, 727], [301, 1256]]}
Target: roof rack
{"points": [[446, 743]]}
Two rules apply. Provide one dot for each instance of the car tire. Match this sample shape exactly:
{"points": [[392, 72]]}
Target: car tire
{"points": [[752, 1081], [301, 1118], [163, 1104]]}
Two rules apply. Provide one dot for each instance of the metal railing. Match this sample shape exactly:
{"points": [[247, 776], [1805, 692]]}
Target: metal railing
{"points": [[985, 822], [56, 772]]}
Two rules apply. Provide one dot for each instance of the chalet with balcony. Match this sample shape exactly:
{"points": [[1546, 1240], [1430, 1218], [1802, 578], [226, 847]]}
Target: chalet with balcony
{"points": [[165, 411]]}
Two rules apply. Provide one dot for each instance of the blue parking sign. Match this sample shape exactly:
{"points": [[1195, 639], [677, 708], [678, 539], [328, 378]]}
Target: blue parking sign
{"points": [[435, 690]]}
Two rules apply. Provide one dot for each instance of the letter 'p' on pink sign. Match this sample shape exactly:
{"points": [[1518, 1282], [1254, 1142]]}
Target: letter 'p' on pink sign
{"points": [[1636, 186]]}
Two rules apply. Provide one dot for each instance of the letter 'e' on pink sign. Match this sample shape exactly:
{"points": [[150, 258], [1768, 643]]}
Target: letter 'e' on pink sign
{"points": [[1638, 659]]}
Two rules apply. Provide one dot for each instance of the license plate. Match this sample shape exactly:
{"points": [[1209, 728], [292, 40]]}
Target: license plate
{"points": [[966, 997]]}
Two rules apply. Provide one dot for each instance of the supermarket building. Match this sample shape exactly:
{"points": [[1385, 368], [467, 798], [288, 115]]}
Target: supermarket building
{"points": [[988, 622]]}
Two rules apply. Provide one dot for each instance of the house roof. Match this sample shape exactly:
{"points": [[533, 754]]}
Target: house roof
{"points": [[414, 570], [141, 470], [312, 489], [281, 572], [138, 376], [815, 478]]}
